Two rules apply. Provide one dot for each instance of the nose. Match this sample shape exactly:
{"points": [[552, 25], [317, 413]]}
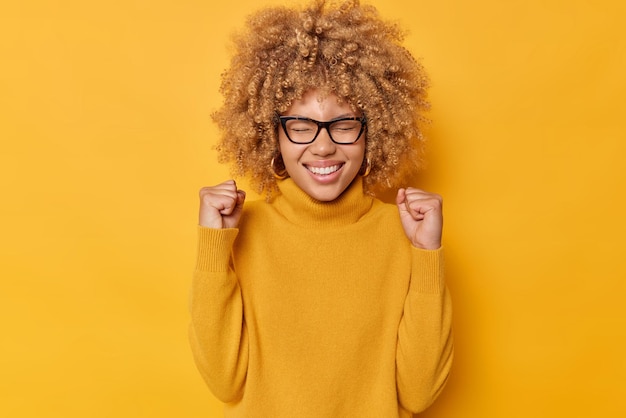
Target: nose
{"points": [[323, 145]]}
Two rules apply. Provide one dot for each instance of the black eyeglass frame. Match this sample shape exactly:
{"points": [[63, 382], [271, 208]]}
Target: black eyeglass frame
{"points": [[284, 119]]}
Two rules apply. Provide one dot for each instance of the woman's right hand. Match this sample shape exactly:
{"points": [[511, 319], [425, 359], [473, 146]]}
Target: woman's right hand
{"points": [[221, 205]]}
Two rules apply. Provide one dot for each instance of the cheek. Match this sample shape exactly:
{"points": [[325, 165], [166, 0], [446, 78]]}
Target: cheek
{"points": [[290, 152]]}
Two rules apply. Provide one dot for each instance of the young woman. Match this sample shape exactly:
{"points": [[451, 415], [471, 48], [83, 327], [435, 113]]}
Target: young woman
{"points": [[321, 300]]}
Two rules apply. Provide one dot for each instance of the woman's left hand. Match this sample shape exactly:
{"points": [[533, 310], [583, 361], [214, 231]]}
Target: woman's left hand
{"points": [[421, 216]]}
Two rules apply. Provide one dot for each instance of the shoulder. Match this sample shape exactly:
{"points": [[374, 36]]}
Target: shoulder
{"points": [[255, 209], [384, 211], [384, 218]]}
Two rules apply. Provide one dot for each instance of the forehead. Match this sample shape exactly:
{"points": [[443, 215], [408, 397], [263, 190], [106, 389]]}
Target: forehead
{"points": [[320, 103]]}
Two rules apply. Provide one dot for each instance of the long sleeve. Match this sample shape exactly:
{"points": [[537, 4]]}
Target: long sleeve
{"points": [[425, 344], [217, 332], [320, 309]]}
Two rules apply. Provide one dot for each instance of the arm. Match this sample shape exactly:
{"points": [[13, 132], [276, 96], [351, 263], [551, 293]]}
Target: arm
{"points": [[425, 345], [424, 352], [217, 333], [218, 336]]}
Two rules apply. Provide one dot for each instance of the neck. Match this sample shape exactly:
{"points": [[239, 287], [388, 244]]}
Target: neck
{"points": [[301, 209]]}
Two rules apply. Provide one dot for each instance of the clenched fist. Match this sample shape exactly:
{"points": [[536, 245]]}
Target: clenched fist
{"points": [[221, 205], [421, 216]]}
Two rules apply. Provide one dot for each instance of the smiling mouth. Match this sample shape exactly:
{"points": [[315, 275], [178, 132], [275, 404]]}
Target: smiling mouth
{"points": [[324, 171]]}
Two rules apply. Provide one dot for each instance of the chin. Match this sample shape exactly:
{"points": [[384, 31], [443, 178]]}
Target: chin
{"points": [[324, 190]]}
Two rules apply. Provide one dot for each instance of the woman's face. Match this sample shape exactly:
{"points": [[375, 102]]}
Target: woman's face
{"points": [[323, 169]]}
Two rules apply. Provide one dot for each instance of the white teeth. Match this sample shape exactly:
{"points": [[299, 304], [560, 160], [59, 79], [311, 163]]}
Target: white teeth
{"points": [[324, 170]]}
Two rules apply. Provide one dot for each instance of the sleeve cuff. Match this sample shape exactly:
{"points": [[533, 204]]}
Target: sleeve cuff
{"points": [[428, 271], [214, 248]]}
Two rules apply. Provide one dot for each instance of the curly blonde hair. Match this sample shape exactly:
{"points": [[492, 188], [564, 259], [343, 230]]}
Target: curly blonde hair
{"points": [[343, 49]]}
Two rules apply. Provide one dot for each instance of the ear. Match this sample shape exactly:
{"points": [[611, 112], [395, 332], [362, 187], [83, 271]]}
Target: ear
{"points": [[366, 167], [277, 167]]}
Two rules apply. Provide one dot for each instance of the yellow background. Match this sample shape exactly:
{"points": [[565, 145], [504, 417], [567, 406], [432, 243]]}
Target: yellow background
{"points": [[105, 140]]}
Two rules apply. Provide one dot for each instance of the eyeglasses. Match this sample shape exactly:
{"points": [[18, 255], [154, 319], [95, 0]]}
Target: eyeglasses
{"points": [[300, 130]]}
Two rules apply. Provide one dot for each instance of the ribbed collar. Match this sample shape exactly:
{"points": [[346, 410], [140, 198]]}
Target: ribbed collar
{"points": [[301, 209]]}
